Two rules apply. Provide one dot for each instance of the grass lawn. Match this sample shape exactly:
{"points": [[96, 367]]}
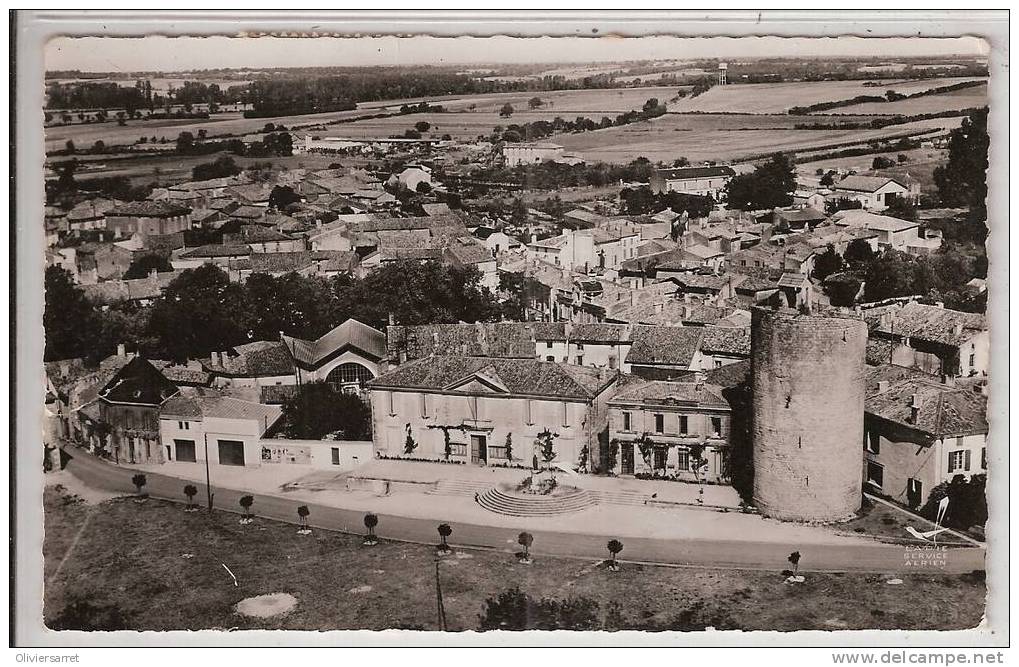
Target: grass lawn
{"points": [[131, 556]]}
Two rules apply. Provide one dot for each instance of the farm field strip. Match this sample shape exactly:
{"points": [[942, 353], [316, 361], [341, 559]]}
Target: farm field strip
{"points": [[779, 97], [953, 101], [625, 144]]}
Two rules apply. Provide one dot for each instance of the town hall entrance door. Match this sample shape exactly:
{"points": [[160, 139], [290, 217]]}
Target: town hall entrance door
{"points": [[479, 449]]}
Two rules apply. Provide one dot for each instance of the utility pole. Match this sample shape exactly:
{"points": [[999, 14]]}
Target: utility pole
{"points": [[208, 483], [438, 600]]}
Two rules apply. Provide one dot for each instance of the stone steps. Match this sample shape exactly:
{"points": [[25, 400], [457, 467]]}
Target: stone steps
{"points": [[495, 500], [456, 487]]}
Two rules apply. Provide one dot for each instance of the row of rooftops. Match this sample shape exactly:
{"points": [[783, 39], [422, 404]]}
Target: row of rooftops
{"points": [[652, 345]]}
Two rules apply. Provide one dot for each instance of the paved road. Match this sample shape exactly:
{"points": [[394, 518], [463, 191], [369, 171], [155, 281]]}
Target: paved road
{"points": [[864, 556]]}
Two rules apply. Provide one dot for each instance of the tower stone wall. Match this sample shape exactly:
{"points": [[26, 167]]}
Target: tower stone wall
{"points": [[807, 377]]}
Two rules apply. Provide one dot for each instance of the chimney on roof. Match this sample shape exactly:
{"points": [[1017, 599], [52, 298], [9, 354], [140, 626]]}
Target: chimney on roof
{"points": [[914, 408], [392, 320], [882, 386], [214, 357], [121, 350], [534, 238], [939, 304]]}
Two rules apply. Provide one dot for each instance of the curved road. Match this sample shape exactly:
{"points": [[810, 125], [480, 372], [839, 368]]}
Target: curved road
{"points": [[861, 556]]}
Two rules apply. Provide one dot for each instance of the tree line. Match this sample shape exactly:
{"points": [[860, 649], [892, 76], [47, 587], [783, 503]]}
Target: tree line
{"points": [[202, 311]]}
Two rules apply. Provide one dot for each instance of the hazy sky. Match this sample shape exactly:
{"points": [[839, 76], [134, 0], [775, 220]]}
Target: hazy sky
{"points": [[110, 54]]}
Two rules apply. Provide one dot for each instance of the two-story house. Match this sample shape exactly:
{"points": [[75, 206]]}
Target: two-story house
{"points": [[920, 431], [485, 410], [683, 427]]}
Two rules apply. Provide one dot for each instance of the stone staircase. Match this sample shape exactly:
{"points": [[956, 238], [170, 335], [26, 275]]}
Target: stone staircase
{"points": [[459, 487], [497, 501]]}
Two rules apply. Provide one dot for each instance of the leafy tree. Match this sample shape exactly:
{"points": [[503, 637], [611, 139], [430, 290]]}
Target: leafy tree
{"points": [[828, 179], [842, 204], [535, 103], [306, 307], [514, 304], [646, 447], [842, 289], [141, 267], [891, 274], [902, 208], [409, 444], [422, 126], [770, 185], [881, 162], [546, 445], [424, 187], [283, 196], [859, 252], [200, 312], [72, 324], [317, 410], [827, 263], [139, 480], [370, 521], [506, 111], [525, 540], [444, 532], [221, 167], [190, 490], [509, 447], [246, 502], [515, 610], [614, 547], [967, 502], [69, 147], [962, 181], [794, 558], [302, 514], [417, 293]]}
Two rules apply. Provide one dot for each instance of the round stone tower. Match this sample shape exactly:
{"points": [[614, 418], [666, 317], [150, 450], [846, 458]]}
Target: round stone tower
{"points": [[808, 389]]}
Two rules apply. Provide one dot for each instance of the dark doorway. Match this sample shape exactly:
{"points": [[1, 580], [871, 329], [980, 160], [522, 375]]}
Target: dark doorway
{"points": [[479, 449], [185, 450], [914, 492], [231, 452], [626, 459]]}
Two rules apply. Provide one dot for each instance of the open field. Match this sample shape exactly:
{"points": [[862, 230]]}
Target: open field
{"points": [[779, 97], [224, 124], [953, 101], [132, 556], [701, 138], [587, 101]]}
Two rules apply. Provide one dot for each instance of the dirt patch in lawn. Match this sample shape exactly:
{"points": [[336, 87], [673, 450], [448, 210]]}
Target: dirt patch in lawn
{"points": [[128, 559], [267, 606]]}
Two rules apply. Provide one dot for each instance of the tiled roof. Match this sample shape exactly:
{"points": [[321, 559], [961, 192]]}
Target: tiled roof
{"points": [[254, 234], [931, 323], [518, 376], [138, 382], [500, 339], [867, 220], [257, 359], [726, 340], [217, 250], [368, 340], [467, 254], [279, 262], [729, 375], [663, 393], [708, 282], [942, 410], [599, 333], [222, 407], [91, 209], [864, 183], [149, 209], [671, 346]]}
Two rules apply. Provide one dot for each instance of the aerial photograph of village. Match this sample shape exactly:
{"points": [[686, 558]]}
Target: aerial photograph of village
{"points": [[515, 336]]}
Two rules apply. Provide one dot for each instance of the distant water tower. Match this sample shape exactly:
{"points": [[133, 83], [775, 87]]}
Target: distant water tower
{"points": [[723, 68]]}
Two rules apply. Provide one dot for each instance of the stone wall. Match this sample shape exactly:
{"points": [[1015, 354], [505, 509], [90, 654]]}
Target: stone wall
{"points": [[807, 421]]}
